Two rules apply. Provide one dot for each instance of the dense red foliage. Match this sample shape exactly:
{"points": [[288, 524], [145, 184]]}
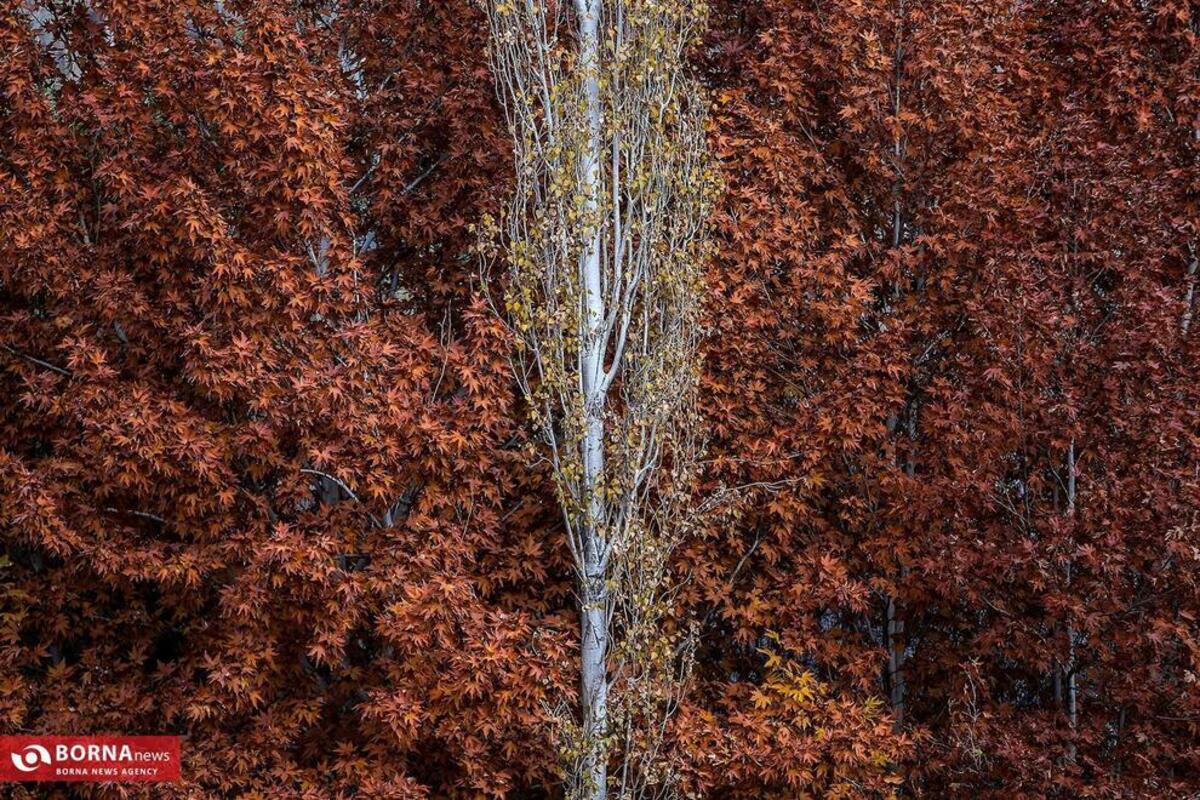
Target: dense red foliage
{"points": [[236, 255], [263, 475], [959, 245]]}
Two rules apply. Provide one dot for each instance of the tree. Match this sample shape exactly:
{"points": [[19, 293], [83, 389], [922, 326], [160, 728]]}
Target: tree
{"points": [[604, 242], [267, 480], [260, 477]]}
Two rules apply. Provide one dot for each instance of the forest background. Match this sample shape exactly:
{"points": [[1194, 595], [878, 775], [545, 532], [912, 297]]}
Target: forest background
{"points": [[266, 481]]}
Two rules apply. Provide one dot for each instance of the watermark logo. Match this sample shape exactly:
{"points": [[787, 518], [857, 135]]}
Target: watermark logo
{"points": [[32, 757], [115, 759]]}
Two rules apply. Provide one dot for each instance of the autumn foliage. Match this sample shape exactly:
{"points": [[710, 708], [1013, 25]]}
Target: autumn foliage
{"points": [[266, 480]]}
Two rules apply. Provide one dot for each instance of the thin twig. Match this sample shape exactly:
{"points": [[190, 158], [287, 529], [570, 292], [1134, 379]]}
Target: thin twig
{"points": [[142, 514], [342, 485], [417, 180], [43, 364]]}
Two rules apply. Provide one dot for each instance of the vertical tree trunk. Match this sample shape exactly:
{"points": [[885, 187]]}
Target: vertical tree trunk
{"points": [[1189, 300], [606, 306], [895, 624], [896, 647], [1072, 701], [593, 682], [897, 642], [594, 689], [1194, 263]]}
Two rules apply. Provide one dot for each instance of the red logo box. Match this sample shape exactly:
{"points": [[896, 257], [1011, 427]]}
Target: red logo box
{"points": [[116, 759]]}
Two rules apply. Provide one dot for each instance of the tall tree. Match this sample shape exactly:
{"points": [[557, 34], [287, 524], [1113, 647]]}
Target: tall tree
{"points": [[605, 242], [260, 478], [265, 474]]}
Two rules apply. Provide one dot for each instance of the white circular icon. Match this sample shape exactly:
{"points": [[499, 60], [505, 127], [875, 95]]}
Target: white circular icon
{"points": [[30, 758]]}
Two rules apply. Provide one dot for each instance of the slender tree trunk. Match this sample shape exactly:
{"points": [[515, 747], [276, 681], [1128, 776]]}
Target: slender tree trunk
{"points": [[606, 309], [897, 644], [594, 690], [1190, 298], [896, 647], [593, 592], [1194, 263], [1072, 695]]}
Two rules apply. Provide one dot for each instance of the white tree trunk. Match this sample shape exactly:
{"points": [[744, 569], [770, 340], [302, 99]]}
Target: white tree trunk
{"points": [[1189, 300], [605, 245], [593, 593]]}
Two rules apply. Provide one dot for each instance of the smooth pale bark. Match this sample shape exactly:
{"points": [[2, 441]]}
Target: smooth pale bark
{"points": [[598, 281], [594, 690], [593, 672]]}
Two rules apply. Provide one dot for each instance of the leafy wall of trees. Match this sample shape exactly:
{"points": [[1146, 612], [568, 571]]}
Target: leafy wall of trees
{"points": [[266, 480]]}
